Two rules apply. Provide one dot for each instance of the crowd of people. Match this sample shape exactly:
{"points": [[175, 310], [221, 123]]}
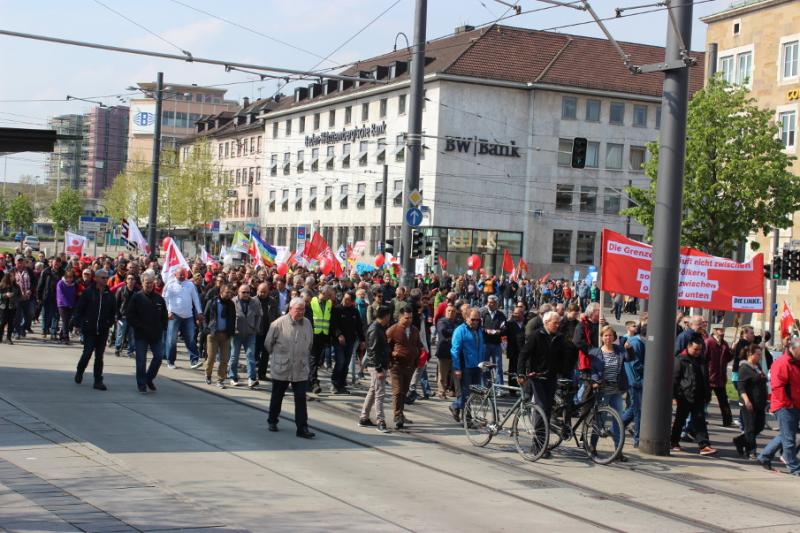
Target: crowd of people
{"points": [[367, 330]]}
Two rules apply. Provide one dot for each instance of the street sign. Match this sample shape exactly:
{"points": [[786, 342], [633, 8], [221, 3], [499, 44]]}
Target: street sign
{"points": [[301, 234], [576, 276], [215, 226], [415, 198], [414, 217], [92, 224]]}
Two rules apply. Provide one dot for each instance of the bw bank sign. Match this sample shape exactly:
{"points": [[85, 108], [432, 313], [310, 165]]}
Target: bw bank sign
{"points": [[476, 146], [143, 118]]}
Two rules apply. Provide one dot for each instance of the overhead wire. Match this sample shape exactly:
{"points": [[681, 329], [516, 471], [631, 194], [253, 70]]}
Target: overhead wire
{"points": [[143, 27]]}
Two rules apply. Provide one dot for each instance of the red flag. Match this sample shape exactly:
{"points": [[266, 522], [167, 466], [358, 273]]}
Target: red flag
{"points": [[544, 278], [443, 262], [315, 247], [523, 266], [787, 321], [508, 263]]}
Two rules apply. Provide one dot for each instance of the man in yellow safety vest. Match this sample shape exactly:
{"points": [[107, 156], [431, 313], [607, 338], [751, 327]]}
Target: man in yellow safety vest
{"points": [[321, 307]]}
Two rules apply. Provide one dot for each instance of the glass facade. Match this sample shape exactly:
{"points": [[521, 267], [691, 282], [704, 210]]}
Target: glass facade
{"points": [[457, 244]]}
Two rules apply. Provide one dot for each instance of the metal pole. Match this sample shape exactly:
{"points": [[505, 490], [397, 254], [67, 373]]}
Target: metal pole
{"points": [[382, 237], [151, 233], [657, 397], [773, 286], [414, 135]]}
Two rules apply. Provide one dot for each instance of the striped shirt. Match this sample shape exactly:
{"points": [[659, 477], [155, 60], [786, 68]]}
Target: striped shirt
{"points": [[611, 370]]}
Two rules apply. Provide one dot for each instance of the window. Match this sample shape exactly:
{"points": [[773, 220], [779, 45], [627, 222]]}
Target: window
{"points": [[569, 107], [658, 117], [363, 150], [617, 113], [252, 145], [593, 110], [249, 207], [258, 175], [288, 127], [726, 68], [285, 200], [327, 234], [398, 193], [562, 246], [737, 28], [381, 157], [584, 250], [382, 110], [359, 233], [788, 120], [281, 236], [379, 194], [316, 121], [348, 114], [181, 120], [637, 158], [298, 199], [400, 141], [227, 154], [331, 118], [789, 59], [286, 166], [744, 68], [343, 196], [235, 208], [258, 143], [592, 154], [314, 159], [273, 165], [588, 203], [401, 104], [365, 112], [346, 155], [239, 148], [341, 235], [328, 200], [220, 151], [301, 156], [614, 156], [564, 197], [238, 176], [330, 154], [564, 152], [255, 207], [361, 190], [274, 130], [640, 116], [301, 125], [611, 201], [312, 198]]}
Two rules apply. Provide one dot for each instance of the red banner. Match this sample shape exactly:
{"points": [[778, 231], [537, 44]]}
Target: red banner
{"points": [[787, 321], [705, 281]]}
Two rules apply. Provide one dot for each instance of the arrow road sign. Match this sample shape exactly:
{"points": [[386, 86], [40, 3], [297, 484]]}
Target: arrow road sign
{"points": [[414, 217]]}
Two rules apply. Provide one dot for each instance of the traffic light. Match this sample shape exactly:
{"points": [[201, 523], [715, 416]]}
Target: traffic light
{"points": [[793, 273], [388, 246], [767, 271], [579, 145], [417, 244], [777, 268]]}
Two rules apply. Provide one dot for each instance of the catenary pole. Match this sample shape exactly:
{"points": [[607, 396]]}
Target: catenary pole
{"points": [[151, 233], [414, 135], [773, 287], [382, 237], [657, 389]]}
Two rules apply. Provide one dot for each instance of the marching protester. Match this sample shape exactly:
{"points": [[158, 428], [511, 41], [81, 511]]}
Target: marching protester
{"points": [[405, 345], [347, 332], [468, 351], [608, 373], [785, 405], [125, 334], [183, 311], [248, 318], [66, 299], [634, 372], [220, 326], [94, 316], [691, 392], [321, 308], [10, 295], [492, 323], [718, 355], [753, 394], [147, 313], [377, 364], [445, 328], [269, 313]]}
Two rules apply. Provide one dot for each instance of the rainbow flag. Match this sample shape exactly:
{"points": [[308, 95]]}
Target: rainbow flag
{"points": [[265, 252]]}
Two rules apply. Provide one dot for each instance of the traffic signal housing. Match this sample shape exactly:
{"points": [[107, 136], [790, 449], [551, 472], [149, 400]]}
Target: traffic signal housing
{"points": [[388, 246], [776, 269], [417, 244], [767, 271], [579, 145]]}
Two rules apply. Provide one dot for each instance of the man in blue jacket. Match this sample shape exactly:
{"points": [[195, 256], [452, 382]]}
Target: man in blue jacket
{"points": [[634, 371], [468, 352]]}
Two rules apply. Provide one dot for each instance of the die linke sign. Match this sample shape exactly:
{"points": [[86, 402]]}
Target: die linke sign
{"points": [[352, 134], [475, 146]]}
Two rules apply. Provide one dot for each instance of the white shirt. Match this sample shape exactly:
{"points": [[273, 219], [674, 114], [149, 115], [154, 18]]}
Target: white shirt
{"points": [[180, 296]]}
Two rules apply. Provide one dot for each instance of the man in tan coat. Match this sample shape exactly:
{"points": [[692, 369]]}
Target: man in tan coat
{"points": [[289, 341], [404, 345]]}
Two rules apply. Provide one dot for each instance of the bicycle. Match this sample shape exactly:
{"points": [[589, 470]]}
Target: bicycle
{"points": [[602, 433], [482, 419]]}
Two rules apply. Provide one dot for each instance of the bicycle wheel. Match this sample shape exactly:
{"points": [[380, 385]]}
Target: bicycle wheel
{"points": [[603, 435], [479, 420], [531, 432]]}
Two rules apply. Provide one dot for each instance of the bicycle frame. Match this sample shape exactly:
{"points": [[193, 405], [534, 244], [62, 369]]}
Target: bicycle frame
{"points": [[492, 393], [570, 410]]}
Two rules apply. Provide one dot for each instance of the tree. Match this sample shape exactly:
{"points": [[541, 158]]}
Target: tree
{"points": [[201, 189], [20, 212], [129, 194], [736, 174], [65, 211]]}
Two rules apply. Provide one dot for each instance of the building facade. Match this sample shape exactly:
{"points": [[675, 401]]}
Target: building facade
{"points": [[757, 44], [182, 106], [64, 163], [502, 107]]}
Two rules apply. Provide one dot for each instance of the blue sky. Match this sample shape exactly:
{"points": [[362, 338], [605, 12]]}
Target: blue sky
{"points": [[41, 71]]}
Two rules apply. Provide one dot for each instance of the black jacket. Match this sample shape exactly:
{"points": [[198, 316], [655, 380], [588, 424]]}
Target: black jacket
{"points": [[147, 313], [543, 352], [210, 316], [444, 330], [690, 379], [95, 311], [269, 312], [346, 321], [123, 297], [496, 323], [46, 288], [377, 347], [515, 336]]}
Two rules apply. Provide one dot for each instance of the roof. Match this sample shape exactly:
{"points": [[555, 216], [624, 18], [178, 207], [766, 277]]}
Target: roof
{"points": [[737, 9], [230, 126], [151, 86], [521, 55]]}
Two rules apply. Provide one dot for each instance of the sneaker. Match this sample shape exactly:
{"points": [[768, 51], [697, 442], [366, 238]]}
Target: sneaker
{"points": [[316, 389], [365, 423], [221, 384], [382, 427], [685, 437], [676, 448], [143, 390], [171, 366], [708, 450], [78, 377], [208, 380], [196, 364], [398, 424], [739, 448], [766, 464], [151, 386], [456, 414], [116, 352], [251, 384], [256, 383], [234, 383], [99, 385]]}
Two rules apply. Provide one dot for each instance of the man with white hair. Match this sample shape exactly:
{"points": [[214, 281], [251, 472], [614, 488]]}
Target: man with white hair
{"points": [[147, 313], [289, 341], [544, 354]]}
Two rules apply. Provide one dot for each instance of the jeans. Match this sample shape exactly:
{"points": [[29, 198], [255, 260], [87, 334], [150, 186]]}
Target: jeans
{"points": [[508, 305], [617, 310], [420, 377], [186, 327], [494, 354], [93, 343], [143, 377], [634, 412], [50, 321], [249, 343], [343, 354], [469, 376], [276, 401], [613, 400], [752, 424], [125, 331], [24, 317], [375, 396], [788, 421], [66, 318]]}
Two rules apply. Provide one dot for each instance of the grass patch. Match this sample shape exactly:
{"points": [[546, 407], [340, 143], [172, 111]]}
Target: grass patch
{"points": [[733, 394]]}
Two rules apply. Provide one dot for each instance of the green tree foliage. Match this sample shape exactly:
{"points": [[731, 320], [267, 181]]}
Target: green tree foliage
{"points": [[129, 194], [737, 179], [200, 189], [20, 212], [66, 210]]}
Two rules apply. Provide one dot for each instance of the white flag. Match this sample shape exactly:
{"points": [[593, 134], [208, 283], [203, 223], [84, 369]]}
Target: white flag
{"points": [[205, 257], [173, 262], [74, 243], [134, 236]]}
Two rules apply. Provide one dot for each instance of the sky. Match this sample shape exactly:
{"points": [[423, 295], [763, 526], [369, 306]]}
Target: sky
{"points": [[297, 34]]}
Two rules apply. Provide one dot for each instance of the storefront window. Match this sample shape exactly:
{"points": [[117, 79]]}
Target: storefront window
{"points": [[484, 241], [459, 240]]}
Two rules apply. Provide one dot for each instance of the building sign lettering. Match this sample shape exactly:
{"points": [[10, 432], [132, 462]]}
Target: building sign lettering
{"points": [[352, 134], [794, 94], [477, 146]]}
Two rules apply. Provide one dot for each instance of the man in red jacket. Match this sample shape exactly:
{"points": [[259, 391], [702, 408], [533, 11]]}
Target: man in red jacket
{"points": [[785, 383], [718, 355]]}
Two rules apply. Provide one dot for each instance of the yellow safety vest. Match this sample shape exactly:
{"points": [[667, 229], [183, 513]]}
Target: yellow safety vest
{"points": [[322, 317]]}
